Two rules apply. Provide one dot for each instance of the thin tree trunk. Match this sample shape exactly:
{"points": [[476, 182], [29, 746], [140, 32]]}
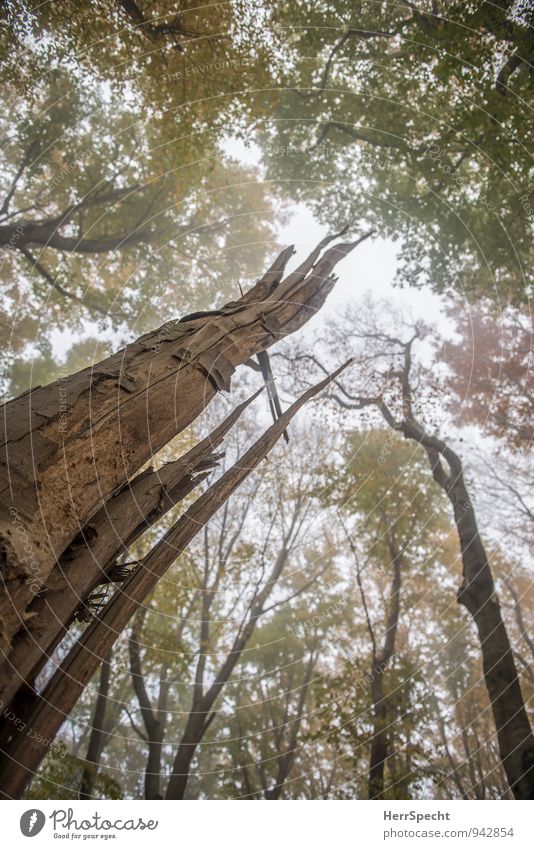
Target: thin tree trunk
{"points": [[455, 772], [520, 619], [196, 727], [154, 720], [91, 557], [380, 739], [98, 736], [201, 713], [286, 759]]}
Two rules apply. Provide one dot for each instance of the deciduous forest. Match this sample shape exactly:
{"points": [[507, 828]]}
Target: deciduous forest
{"points": [[266, 512]]}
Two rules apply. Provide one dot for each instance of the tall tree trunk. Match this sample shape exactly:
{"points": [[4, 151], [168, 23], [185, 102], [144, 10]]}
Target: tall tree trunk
{"points": [[477, 594], [98, 736], [23, 755], [380, 739]]}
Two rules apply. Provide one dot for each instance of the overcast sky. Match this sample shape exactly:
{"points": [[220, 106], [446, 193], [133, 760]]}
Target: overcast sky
{"points": [[371, 266]]}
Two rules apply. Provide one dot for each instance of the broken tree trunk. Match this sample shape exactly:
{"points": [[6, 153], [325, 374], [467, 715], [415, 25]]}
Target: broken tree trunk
{"points": [[91, 557], [25, 642], [69, 446], [23, 754]]}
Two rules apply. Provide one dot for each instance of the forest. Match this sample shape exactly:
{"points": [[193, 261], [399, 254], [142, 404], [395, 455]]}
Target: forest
{"points": [[266, 511]]}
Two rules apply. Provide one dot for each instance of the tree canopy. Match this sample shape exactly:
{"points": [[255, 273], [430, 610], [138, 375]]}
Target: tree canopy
{"points": [[266, 512]]}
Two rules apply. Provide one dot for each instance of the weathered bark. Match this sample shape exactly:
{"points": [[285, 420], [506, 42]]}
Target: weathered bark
{"points": [[381, 659], [26, 701], [59, 467], [99, 735], [23, 755], [477, 593], [92, 556]]}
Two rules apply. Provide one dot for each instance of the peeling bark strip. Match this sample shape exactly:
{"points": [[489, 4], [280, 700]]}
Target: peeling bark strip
{"points": [[23, 755], [380, 742], [57, 473], [90, 558]]}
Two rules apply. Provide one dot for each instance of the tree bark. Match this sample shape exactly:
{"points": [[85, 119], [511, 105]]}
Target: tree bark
{"points": [[92, 555], [380, 739]]}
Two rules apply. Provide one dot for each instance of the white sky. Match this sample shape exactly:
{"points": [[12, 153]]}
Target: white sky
{"points": [[371, 266]]}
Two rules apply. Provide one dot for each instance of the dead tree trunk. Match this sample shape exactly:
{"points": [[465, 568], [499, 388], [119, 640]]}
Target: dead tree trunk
{"points": [[23, 754], [91, 558], [69, 446]]}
